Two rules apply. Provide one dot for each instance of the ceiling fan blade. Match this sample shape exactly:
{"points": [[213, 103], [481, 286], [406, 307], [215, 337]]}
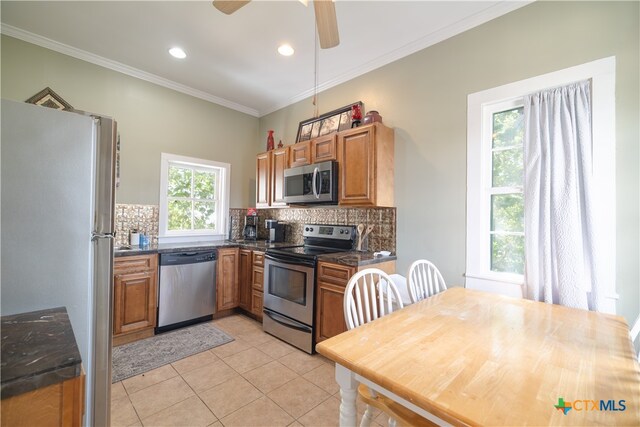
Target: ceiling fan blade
{"points": [[229, 6], [327, 23]]}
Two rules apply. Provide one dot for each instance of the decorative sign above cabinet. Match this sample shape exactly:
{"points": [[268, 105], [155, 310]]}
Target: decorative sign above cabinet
{"points": [[333, 121]]}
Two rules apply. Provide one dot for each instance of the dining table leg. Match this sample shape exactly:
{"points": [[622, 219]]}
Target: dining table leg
{"points": [[348, 392]]}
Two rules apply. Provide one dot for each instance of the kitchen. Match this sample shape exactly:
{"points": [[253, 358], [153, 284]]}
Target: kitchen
{"points": [[422, 97]]}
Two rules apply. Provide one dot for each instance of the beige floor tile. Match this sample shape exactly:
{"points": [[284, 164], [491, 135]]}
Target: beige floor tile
{"points": [[230, 396], [208, 376], [189, 412], [261, 412], [275, 348], [160, 396], [300, 362], [118, 391], [148, 379], [324, 376], [325, 414], [247, 360], [193, 362], [295, 424], [136, 424], [122, 412], [216, 424], [255, 336], [298, 396], [270, 376], [238, 328], [230, 348]]}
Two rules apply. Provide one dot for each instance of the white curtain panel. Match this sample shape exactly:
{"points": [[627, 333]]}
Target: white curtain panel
{"points": [[561, 241]]}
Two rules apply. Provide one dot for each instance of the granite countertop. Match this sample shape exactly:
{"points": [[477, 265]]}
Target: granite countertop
{"points": [[38, 349], [355, 258], [192, 246]]}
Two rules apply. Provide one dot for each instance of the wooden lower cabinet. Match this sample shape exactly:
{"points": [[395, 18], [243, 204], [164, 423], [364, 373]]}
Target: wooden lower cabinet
{"points": [[135, 295], [257, 283], [60, 404], [331, 282], [244, 279], [227, 279]]}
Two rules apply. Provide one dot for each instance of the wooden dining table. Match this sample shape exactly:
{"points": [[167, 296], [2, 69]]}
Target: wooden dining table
{"points": [[465, 357]]}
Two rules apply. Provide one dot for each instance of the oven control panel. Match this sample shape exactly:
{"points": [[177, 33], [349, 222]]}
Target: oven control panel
{"points": [[340, 232]]}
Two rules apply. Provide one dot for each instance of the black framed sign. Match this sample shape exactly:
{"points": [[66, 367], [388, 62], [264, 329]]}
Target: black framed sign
{"points": [[333, 121]]}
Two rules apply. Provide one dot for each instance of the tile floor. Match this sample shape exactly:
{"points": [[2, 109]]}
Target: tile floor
{"points": [[256, 380]]}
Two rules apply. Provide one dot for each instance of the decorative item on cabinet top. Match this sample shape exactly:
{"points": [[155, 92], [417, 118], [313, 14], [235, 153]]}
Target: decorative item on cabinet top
{"points": [[372, 117], [333, 121], [270, 141], [48, 98]]}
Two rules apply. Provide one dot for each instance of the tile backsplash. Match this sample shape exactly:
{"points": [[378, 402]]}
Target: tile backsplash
{"points": [[382, 237], [144, 218]]}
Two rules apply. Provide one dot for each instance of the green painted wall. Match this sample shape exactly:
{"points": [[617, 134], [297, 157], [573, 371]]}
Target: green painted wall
{"points": [[424, 97], [151, 119]]}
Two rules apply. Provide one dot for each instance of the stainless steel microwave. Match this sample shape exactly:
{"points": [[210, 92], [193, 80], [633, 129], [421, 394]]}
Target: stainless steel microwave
{"points": [[312, 184]]}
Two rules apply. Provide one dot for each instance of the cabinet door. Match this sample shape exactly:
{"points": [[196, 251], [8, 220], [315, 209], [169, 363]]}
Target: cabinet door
{"points": [[256, 303], [329, 311], [300, 154], [244, 278], [227, 280], [263, 179], [279, 162], [134, 301], [323, 149], [356, 154], [258, 278]]}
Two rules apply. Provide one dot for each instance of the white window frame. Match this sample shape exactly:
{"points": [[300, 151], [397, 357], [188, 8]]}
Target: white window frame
{"points": [[222, 203], [602, 75]]}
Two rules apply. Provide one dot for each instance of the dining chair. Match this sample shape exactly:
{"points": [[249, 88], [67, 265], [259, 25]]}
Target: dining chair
{"points": [[424, 280], [369, 295], [634, 333]]}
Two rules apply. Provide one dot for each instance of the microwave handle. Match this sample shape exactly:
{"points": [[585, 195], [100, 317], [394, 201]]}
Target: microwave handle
{"points": [[316, 172]]}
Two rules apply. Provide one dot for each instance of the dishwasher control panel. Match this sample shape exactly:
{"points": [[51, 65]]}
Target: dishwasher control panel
{"points": [[179, 258]]}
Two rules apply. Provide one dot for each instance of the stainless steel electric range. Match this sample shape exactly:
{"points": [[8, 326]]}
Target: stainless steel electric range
{"points": [[289, 282]]}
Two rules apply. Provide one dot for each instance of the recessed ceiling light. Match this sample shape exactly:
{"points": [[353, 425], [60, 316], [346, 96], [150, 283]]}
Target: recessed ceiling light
{"points": [[176, 52], [285, 50]]}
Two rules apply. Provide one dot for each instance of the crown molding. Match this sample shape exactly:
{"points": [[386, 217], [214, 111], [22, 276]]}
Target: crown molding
{"points": [[121, 68], [461, 26]]}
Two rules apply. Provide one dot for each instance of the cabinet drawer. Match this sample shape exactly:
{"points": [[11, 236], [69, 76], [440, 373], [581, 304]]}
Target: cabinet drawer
{"points": [[130, 264], [335, 273], [257, 278], [258, 259]]}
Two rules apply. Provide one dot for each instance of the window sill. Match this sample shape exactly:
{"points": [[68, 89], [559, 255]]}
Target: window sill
{"points": [[188, 238]]}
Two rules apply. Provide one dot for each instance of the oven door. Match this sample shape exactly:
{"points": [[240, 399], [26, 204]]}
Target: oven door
{"points": [[289, 286]]}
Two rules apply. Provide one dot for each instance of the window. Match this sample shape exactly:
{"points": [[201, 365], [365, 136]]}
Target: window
{"points": [[193, 197], [495, 174], [505, 228]]}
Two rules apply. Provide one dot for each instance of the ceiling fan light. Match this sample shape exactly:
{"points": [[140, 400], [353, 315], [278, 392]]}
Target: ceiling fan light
{"points": [[177, 52], [285, 50]]}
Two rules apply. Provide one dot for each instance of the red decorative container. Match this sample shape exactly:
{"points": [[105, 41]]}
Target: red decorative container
{"points": [[372, 117], [270, 142], [356, 115]]}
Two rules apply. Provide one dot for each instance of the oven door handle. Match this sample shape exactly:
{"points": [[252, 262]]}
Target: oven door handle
{"points": [[285, 322], [289, 260]]}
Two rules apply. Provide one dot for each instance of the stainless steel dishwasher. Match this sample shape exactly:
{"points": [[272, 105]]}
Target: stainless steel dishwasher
{"points": [[187, 293]]}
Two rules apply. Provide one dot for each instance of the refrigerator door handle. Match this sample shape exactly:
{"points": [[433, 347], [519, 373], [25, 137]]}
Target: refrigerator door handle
{"points": [[95, 236]]}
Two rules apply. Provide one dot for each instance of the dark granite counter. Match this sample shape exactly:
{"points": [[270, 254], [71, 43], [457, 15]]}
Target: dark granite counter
{"points": [[355, 258], [38, 349], [258, 245]]}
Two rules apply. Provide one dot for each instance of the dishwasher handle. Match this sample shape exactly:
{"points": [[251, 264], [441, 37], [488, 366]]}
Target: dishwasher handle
{"points": [[181, 258]]}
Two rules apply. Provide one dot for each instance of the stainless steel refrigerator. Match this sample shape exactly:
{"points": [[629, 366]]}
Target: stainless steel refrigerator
{"points": [[57, 228]]}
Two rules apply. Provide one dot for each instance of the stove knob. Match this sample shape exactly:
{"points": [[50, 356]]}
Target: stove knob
{"points": [[310, 228], [341, 231]]}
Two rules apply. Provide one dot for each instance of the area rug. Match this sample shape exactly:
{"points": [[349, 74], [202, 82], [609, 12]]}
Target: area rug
{"points": [[141, 356]]}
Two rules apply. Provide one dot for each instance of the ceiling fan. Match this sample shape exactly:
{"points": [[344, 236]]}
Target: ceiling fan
{"points": [[325, 12]]}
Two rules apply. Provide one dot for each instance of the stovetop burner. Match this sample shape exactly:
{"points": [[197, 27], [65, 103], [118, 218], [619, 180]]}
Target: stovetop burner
{"points": [[306, 251], [319, 240]]}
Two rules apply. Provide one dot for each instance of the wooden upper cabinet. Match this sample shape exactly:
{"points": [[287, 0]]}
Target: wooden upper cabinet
{"points": [[227, 279], [279, 162], [263, 179], [366, 163], [300, 154], [323, 148]]}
